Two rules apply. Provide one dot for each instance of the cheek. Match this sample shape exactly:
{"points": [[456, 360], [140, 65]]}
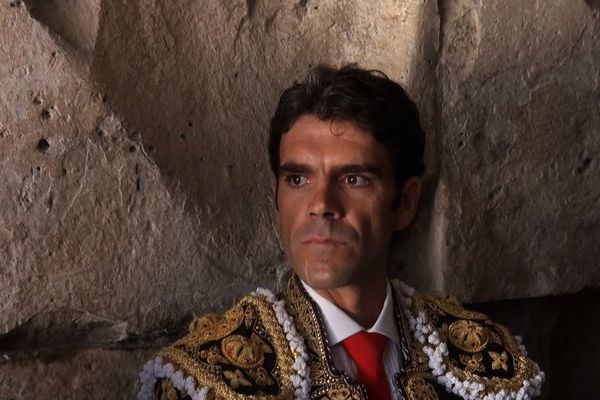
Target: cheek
{"points": [[375, 221], [286, 218]]}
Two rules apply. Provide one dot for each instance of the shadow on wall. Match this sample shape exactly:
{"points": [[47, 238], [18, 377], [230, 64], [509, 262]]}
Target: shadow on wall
{"points": [[197, 82], [561, 335], [426, 231], [593, 3], [74, 22]]}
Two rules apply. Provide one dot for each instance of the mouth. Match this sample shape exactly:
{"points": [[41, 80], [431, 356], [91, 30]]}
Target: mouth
{"points": [[320, 240]]}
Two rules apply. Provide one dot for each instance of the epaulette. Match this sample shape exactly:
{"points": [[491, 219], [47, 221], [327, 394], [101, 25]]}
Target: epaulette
{"points": [[466, 352], [250, 350]]}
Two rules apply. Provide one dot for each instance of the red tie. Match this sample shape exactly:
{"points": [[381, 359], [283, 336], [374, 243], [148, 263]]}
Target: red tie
{"points": [[366, 349]]}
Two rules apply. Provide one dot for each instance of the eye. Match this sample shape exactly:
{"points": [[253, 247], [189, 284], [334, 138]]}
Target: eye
{"points": [[356, 180], [296, 180]]}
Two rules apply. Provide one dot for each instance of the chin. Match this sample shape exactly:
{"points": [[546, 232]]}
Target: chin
{"points": [[324, 275]]}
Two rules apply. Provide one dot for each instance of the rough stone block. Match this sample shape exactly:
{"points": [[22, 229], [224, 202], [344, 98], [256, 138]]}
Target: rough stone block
{"points": [[75, 375], [515, 202]]}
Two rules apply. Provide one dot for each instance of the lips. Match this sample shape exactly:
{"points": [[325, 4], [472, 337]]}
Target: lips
{"points": [[324, 241]]}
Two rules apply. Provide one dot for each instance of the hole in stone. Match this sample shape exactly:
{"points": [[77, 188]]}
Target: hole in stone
{"points": [[182, 136], [584, 165], [132, 149], [190, 124], [45, 114], [100, 132], [38, 168], [151, 148], [43, 145], [461, 143], [104, 98], [37, 101], [235, 75], [53, 54], [64, 171]]}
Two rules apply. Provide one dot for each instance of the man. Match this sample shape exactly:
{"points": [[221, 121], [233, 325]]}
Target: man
{"points": [[346, 150]]}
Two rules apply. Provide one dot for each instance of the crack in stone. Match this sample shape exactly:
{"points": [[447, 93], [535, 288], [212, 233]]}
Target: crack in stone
{"points": [[81, 182]]}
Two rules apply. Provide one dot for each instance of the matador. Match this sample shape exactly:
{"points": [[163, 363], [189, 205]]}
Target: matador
{"points": [[346, 151]]}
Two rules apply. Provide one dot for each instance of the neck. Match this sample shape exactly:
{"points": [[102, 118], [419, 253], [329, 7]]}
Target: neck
{"points": [[361, 302]]}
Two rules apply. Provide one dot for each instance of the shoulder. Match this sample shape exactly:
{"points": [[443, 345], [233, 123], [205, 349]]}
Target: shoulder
{"points": [[249, 350], [466, 352]]}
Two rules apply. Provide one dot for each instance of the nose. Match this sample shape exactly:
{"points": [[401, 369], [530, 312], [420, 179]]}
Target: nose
{"points": [[325, 202]]}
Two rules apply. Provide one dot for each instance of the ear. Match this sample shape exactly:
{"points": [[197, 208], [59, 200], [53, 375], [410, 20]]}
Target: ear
{"points": [[409, 202]]}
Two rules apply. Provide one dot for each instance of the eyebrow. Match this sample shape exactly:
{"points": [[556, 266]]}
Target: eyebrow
{"points": [[299, 168], [295, 168]]}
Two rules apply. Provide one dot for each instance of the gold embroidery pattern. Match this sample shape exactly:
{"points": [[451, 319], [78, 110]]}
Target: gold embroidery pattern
{"points": [[450, 305], [499, 360], [418, 388], [261, 376], [242, 352], [339, 394], [472, 362], [418, 381], [327, 383], [236, 378], [234, 364], [468, 336], [213, 327]]}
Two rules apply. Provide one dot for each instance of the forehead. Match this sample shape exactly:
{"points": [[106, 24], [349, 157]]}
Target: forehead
{"points": [[311, 140]]}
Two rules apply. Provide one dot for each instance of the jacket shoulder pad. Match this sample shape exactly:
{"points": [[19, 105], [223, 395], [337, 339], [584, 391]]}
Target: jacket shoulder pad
{"points": [[472, 356], [239, 354]]}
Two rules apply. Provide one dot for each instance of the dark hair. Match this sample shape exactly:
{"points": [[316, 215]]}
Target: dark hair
{"points": [[368, 99]]}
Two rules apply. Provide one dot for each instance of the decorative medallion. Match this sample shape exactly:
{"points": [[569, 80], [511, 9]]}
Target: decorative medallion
{"points": [[242, 352], [468, 336]]}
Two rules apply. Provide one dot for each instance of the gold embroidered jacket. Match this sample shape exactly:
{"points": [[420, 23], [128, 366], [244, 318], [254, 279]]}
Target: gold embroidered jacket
{"points": [[269, 347]]}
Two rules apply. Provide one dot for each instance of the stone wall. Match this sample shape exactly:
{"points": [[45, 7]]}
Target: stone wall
{"points": [[134, 185]]}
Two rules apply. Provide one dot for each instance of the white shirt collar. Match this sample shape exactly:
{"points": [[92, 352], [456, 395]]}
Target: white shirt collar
{"points": [[340, 326]]}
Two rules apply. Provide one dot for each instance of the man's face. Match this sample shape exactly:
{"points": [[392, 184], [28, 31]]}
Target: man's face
{"points": [[335, 192]]}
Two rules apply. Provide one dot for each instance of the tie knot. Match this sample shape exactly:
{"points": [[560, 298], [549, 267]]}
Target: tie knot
{"points": [[366, 347]]}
